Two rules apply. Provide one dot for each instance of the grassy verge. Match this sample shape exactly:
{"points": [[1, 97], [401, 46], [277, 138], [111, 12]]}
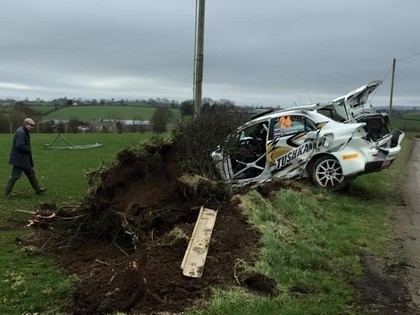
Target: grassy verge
{"points": [[313, 241], [30, 281]]}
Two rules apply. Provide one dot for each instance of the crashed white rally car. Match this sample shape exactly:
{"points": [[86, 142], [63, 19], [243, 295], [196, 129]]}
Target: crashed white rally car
{"points": [[330, 143]]}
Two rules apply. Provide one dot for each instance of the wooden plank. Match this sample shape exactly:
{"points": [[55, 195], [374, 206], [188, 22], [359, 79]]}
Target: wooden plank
{"points": [[196, 253], [192, 237]]}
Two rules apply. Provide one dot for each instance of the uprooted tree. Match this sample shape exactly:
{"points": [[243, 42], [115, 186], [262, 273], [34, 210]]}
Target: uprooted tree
{"points": [[183, 164], [145, 205]]}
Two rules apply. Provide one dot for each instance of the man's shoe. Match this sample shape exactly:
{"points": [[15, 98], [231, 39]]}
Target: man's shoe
{"points": [[40, 190]]}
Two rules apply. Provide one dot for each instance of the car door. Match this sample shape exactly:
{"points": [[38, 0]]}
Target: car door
{"points": [[292, 140], [248, 151]]}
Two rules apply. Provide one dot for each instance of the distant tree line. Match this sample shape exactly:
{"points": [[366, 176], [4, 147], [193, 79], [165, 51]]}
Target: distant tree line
{"points": [[16, 116], [12, 113], [64, 102], [12, 119]]}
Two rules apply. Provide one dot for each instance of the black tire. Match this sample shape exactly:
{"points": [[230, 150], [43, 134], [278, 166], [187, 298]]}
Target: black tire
{"points": [[327, 173]]}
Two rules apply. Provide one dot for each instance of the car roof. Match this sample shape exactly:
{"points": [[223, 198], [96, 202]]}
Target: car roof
{"points": [[313, 108], [305, 109]]}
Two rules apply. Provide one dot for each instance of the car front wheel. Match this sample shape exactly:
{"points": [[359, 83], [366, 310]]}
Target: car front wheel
{"points": [[327, 173]]}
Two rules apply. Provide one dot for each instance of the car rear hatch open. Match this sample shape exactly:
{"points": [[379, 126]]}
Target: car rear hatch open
{"points": [[352, 105]]}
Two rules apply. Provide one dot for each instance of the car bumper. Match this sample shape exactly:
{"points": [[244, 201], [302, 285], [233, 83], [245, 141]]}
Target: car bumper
{"points": [[377, 166], [355, 162]]}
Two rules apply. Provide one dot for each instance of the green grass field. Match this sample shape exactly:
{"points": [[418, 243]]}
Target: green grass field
{"points": [[312, 239], [63, 171], [88, 113], [409, 121]]}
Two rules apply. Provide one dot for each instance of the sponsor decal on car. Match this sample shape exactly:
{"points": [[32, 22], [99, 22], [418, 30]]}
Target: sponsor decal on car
{"points": [[307, 147], [350, 156]]}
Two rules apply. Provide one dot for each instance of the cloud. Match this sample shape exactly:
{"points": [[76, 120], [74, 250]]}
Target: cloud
{"points": [[267, 53]]}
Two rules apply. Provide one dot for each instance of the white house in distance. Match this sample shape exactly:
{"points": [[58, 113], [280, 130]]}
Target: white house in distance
{"points": [[110, 125], [107, 125]]}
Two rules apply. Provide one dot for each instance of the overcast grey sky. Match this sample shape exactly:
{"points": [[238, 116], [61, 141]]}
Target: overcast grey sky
{"points": [[267, 52]]}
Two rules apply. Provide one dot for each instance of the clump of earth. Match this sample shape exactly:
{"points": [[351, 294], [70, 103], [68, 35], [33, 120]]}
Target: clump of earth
{"points": [[140, 217]]}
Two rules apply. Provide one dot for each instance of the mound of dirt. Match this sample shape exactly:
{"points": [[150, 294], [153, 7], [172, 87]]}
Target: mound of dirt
{"points": [[130, 256]]}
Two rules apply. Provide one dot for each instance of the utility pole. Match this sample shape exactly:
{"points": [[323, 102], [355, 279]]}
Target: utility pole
{"points": [[394, 61], [199, 58]]}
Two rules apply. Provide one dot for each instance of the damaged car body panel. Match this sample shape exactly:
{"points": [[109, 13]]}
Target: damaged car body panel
{"points": [[329, 143]]}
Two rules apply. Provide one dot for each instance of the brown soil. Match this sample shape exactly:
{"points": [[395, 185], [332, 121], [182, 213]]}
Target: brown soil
{"points": [[161, 210], [147, 278]]}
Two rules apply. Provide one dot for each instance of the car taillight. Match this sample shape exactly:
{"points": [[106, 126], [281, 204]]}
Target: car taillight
{"points": [[359, 132]]}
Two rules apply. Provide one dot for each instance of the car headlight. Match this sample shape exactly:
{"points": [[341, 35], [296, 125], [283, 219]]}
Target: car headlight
{"points": [[359, 132]]}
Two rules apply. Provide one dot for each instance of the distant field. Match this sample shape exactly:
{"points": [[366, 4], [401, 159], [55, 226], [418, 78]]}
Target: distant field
{"points": [[407, 121], [43, 108], [88, 113]]}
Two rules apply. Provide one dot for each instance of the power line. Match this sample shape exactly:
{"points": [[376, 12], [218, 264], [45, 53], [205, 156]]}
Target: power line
{"points": [[409, 57], [373, 94]]}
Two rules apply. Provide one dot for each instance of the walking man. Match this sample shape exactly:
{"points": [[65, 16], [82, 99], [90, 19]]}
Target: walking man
{"points": [[21, 158]]}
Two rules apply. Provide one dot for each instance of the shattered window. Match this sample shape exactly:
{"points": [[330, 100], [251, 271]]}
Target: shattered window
{"points": [[291, 124]]}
